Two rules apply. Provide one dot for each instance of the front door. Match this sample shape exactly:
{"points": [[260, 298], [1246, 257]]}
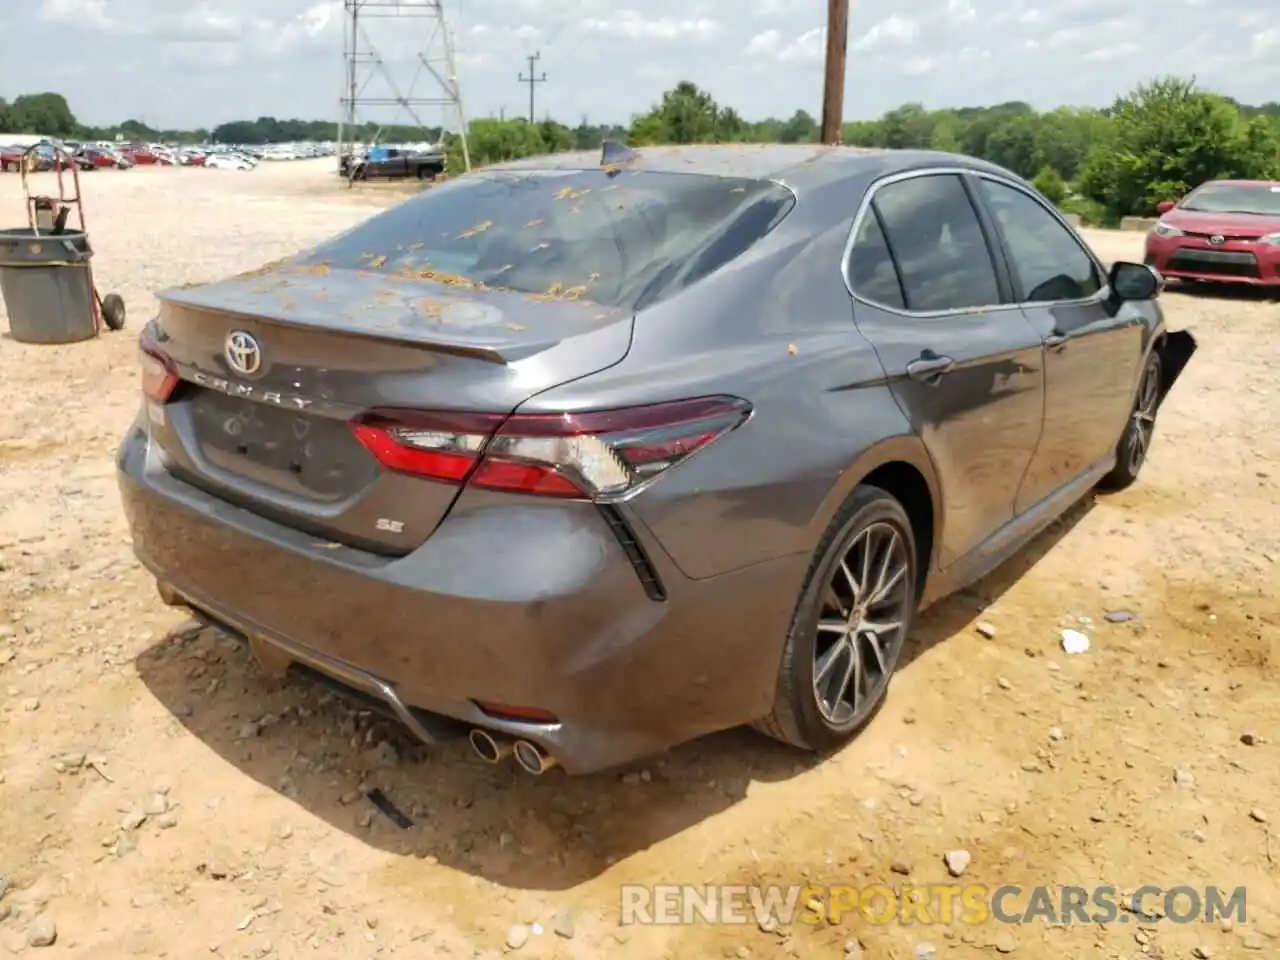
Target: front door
{"points": [[962, 362], [1093, 348]]}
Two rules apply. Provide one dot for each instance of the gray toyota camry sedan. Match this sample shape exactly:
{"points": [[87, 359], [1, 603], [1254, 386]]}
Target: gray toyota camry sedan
{"points": [[588, 455]]}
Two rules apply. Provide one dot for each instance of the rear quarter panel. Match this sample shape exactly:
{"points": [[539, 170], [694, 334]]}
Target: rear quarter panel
{"points": [[774, 327]]}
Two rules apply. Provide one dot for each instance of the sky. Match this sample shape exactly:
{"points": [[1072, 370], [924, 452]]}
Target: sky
{"points": [[191, 63]]}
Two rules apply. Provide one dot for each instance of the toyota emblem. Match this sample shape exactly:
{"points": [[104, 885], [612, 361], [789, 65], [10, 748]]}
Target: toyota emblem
{"points": [[243, 353], [1217, 239]]}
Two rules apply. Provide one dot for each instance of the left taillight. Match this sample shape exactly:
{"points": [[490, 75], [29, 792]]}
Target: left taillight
{"points": [[595, 455], [159, 376]]}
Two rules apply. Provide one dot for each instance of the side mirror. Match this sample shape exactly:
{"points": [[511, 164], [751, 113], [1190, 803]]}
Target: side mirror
{"points": [[1134, 281], [1164, 206]]}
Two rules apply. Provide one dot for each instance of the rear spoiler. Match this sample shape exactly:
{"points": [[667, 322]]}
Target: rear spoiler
{"points": [[493, 349]]}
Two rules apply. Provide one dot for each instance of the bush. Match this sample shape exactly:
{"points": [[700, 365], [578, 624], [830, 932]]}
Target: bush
{"points": [[1091, 213], [1165, 139], [1050, 183]]}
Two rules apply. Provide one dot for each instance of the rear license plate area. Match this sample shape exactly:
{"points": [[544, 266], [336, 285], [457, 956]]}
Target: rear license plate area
{"points": [[294, 451]]}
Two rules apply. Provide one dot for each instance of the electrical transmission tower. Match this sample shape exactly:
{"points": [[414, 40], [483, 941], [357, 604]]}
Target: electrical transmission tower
{"points": [[533, 79], [369, 83]]}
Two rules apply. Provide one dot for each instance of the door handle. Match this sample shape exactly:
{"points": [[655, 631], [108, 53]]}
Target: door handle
{"points": [[929, 368], [1056, 340]]}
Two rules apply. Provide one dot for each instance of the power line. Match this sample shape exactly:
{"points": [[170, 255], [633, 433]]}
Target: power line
{"points": [[833, 84], [532, 79]]}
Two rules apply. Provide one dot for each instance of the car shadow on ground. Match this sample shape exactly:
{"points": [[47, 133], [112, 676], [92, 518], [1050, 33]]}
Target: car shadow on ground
{"points": [[547, 833], [946, 619]]}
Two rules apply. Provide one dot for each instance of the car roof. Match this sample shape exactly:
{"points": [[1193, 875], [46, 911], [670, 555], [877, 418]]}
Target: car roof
{"points": [[793, 163], [1241, 183]]}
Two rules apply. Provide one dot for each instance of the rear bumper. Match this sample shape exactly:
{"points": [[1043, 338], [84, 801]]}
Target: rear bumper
{"points": [[531, 604]]}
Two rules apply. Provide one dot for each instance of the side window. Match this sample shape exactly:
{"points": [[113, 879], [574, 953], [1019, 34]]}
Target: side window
{"points": [[1047, 260], [872, 274], [937, 240]]}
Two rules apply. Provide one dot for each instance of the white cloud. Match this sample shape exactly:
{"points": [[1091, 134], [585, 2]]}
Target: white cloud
{"points": [[892, 31], [81, 13], [635, 26], [1264, 43], [766, 9], [808, 48], [1112, 53], [765, 44], [918, 66]]}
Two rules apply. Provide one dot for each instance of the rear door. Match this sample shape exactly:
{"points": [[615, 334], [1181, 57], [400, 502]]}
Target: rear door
{"points": [[964, 364], [1092, 347]]}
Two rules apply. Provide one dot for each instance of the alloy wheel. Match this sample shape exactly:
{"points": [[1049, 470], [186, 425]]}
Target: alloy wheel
{"points": [[865, 607], [1143, 423]]}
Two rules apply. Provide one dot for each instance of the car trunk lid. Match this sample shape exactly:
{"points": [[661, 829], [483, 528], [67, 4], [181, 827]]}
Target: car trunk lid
{"points": [[273, 434]]}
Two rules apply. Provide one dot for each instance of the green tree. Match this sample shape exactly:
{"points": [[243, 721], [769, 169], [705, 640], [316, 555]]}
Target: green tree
{"points": [[686, 114], [1050, 183], [1166, 138], [801, 128], [909, 127], [45, 113], [556, 137], [946, 135]]}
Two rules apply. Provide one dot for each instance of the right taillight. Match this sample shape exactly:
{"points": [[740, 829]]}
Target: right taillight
{"points": [[159, 378], [594, 455]]}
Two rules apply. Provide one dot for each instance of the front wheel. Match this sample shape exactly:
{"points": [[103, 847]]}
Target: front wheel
{"points": [[850, 625], [1135, 442]]}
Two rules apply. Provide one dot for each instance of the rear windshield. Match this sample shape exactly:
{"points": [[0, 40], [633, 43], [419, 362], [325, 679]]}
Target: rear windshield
{"points": [[618, 239], [1257, 198]]}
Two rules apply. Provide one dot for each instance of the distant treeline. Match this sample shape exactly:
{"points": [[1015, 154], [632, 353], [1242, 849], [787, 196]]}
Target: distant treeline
{"points": [[1155, 143]]}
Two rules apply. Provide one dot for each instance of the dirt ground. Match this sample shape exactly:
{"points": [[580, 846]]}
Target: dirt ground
{"points": [[161, 797]]}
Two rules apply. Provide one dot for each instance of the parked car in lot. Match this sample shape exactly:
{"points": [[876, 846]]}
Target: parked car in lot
{"points": [[393, 163], [96, 157], [1225, 231], [11, 158], [591, 455], [228, 161], [147, 155]]}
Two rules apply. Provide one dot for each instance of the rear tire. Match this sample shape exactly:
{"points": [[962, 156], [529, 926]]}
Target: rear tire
{"points": [[864, 575], [1135, 442]]}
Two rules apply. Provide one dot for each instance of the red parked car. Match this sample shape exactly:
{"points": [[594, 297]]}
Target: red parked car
{"points": [[11, 159], [38, 161], [1226, 231], [98, 158], [142, 156]]}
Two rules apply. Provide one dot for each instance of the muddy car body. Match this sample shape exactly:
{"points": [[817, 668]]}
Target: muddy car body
{"points": [[590, 459]]}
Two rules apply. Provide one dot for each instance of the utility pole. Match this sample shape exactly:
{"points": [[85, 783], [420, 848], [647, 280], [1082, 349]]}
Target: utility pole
{"points": [[532, 79], [833, 86]]}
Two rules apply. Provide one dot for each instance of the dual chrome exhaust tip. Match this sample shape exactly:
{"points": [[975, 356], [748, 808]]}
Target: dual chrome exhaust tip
{"points": [[494, 749]]}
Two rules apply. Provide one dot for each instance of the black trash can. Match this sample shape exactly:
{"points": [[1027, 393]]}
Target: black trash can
{"points": [[47, 286]]}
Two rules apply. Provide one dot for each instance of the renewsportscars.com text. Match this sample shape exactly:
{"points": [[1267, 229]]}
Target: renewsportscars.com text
{"points": [[932, 903]]}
